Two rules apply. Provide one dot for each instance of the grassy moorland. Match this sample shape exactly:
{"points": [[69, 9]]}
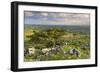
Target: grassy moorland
{"points": [[40, 37]]}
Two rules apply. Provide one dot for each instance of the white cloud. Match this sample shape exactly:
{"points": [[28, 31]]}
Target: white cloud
{"points": [[44, 14], [28, 13], [60, 18]]}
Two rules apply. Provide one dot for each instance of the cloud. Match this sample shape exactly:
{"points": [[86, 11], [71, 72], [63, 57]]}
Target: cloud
{"points": [[28, 13], [44, 14], [59, 18]]}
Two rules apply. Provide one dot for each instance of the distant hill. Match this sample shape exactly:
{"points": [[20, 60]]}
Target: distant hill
{"points": [[73, 28]]}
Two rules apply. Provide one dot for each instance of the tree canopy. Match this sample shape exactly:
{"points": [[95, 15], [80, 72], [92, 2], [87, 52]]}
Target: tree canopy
{"points": [[47, 38]]}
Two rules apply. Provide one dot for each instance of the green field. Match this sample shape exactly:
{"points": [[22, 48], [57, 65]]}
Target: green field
{"points": [[67, 38]]}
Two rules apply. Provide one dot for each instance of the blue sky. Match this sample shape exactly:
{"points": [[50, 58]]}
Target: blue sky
{"points": [[56, 18]]}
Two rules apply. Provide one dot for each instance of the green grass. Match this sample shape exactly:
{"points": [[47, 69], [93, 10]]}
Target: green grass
{"points": [[73, 41]]}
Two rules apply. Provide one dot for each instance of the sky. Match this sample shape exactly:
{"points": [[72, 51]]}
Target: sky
{"points": [[56, 18]]}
